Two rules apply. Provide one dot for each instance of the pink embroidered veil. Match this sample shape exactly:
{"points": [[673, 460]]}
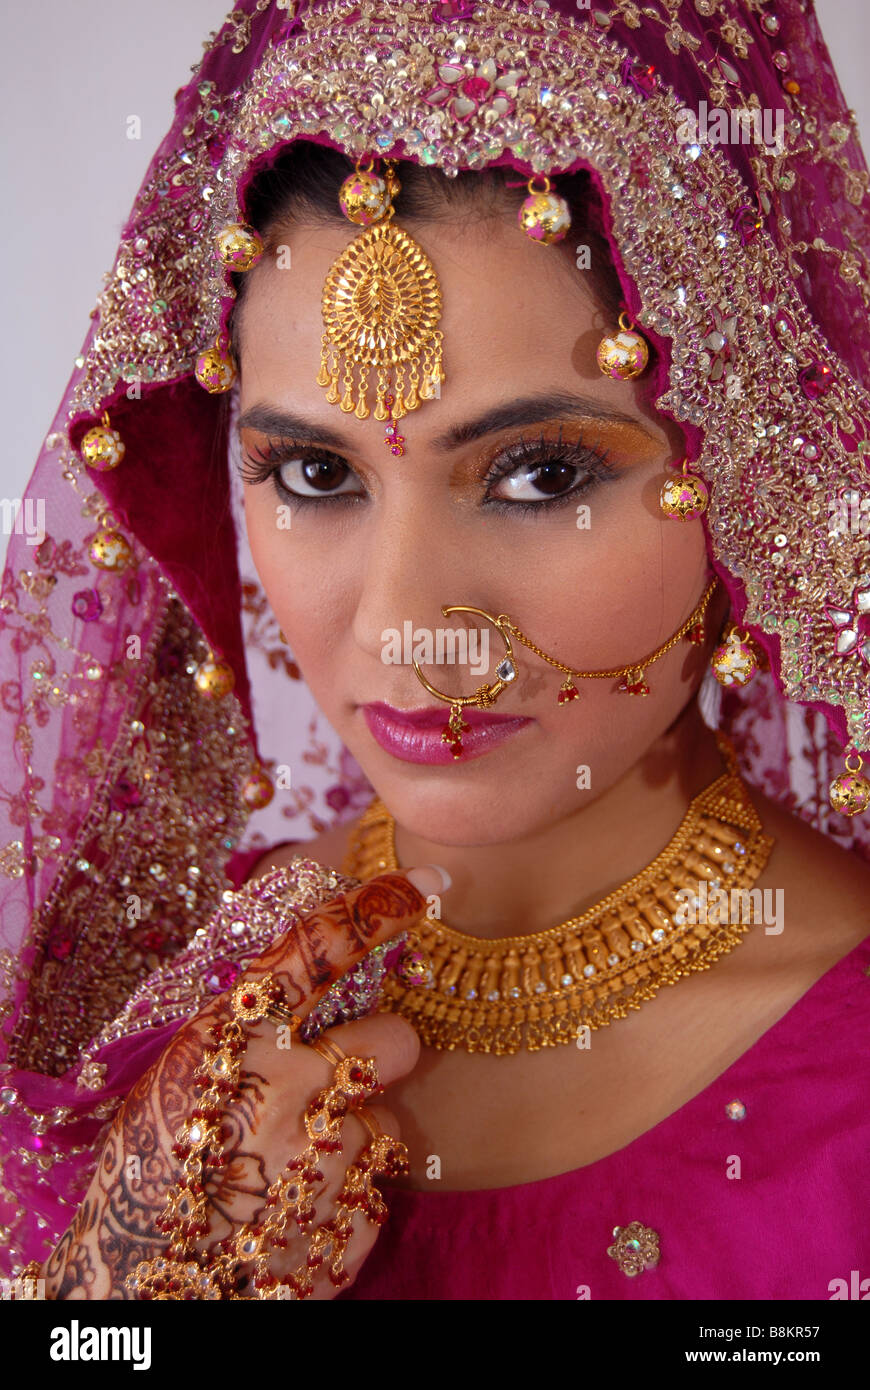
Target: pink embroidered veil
{"points": [[124, 791]]}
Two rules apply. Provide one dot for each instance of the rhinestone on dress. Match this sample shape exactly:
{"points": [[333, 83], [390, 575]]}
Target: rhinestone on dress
{"points": [[735, 1110], [635, 1248]]}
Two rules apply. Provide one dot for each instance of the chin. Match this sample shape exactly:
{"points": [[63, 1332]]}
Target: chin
{"points": [[486, 802]]}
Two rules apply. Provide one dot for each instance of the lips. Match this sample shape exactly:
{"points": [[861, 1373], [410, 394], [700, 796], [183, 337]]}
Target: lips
{"points": [[414, 736]]}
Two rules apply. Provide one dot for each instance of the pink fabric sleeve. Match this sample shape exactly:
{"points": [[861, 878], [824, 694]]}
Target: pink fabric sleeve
{"points": [[52, 1131]]}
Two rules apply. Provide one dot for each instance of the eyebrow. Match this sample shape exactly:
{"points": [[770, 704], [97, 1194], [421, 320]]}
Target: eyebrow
{"points": [[528, 410]]}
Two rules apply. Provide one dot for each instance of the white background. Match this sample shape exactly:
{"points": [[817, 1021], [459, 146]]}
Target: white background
{"points": [[75, 70]]}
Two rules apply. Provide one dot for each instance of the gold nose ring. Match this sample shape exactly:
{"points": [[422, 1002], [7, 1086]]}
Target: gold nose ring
{"points": [[485, 695]]}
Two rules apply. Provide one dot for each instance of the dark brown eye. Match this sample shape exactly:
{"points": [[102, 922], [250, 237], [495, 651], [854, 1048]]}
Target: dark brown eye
{"points": [[324, 474], [309, 476], [553, 478], [538, 480]]}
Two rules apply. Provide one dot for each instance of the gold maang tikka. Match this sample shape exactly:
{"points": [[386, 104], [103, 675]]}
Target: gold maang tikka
{"points": [[382, 300], [381, 305], [631, 678]]}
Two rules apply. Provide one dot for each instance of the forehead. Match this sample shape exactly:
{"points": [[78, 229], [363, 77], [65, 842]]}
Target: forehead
{"points": [[502, 294], [520, 327]]}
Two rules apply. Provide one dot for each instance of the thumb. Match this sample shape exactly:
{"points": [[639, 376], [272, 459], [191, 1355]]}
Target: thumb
{"points": [[323, 945]]}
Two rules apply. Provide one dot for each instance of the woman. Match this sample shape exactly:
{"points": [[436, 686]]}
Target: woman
{"points": [[631, 454]]}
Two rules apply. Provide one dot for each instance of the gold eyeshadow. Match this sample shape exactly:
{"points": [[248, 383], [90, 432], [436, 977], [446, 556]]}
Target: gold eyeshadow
{"points": [[625, 443]]}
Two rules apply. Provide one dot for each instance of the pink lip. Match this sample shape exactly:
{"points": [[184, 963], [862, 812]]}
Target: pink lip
{"points": [[414, 736]]}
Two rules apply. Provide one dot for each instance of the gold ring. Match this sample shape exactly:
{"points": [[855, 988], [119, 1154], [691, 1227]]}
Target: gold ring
{"points": [[369, 1122], [283, 1014], [328, 1049], [251, 1000]]}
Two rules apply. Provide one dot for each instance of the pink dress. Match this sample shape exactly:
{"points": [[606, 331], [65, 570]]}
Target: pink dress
{"points": [[795, 1223], [795, 1220]]}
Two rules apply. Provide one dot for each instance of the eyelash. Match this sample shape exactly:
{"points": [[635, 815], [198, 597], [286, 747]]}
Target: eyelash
{"points": [[533, 453]]}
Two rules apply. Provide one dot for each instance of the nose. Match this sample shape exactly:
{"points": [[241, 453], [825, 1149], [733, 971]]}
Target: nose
{"points": [[414, 564]]}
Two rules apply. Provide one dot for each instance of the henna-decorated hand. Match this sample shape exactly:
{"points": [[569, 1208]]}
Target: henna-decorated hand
{"points": [[116, 1227]]}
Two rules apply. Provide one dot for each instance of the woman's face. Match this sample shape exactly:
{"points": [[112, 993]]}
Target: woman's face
{"points": [[364, 546]]}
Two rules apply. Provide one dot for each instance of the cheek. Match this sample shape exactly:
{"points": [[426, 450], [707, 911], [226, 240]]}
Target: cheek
{"points": [[303, 576], [609, 584]]}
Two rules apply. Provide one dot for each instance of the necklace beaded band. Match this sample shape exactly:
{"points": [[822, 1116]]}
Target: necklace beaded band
{"points": [[536, 991]]}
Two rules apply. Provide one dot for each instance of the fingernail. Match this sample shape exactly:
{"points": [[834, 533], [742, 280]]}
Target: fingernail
{"points": [[429, 878]]}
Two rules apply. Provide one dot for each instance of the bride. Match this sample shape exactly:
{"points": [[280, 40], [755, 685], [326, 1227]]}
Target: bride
{"points": [[608, 457]]}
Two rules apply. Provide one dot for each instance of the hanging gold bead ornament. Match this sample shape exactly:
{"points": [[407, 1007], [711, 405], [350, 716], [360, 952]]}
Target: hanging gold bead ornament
{"points": [[685, 497], [238, 246], [215, 368], [102, 447], [109, 548], [850, 792], [623, 355], [214, 678], [381, 304], [258, 789], [734, 661], [544, 216]]}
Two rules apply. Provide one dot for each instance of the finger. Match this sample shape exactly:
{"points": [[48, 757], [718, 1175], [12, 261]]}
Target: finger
{"points": [[362, 1127], [388, 1038], [324, 944], [299, 1073]]}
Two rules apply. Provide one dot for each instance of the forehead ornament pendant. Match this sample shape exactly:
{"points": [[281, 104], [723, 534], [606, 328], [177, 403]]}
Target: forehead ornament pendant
{"points": [[382, 301], [381, 305]]}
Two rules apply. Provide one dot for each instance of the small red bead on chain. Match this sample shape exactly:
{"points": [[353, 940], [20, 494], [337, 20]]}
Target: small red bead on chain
{"points": [[391, 437]]}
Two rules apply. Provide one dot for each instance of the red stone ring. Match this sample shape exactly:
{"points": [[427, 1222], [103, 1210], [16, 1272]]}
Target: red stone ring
{"points": [[254, 1000]]}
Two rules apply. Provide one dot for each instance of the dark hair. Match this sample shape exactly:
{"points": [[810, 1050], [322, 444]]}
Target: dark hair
{"points": [[302, 185]]}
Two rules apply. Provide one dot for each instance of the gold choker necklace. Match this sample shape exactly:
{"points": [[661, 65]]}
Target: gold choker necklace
{"points": [[676, 916]]}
